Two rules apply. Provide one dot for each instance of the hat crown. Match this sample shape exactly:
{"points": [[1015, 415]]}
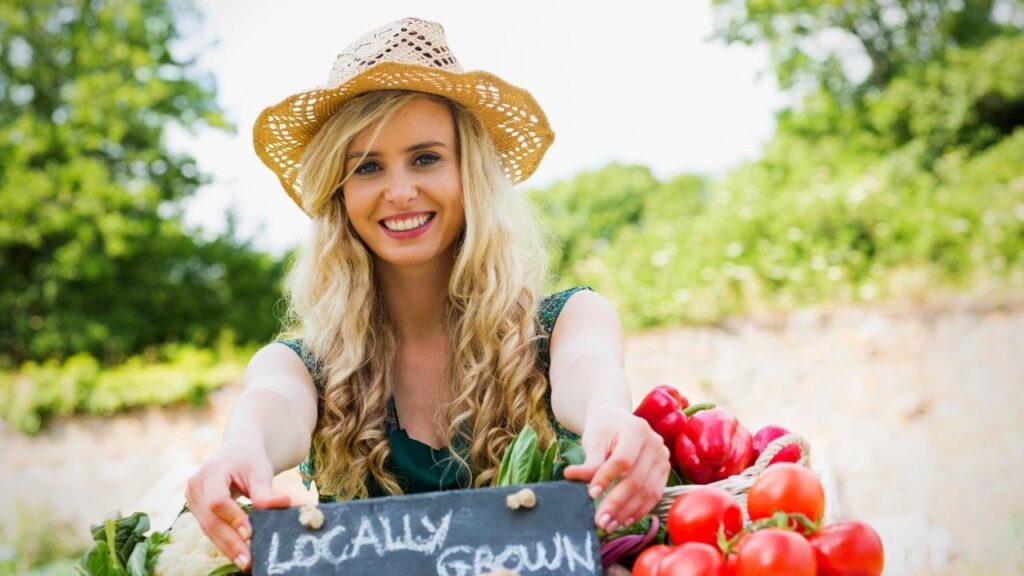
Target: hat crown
{"points": [[408, 41], [408, 55]]}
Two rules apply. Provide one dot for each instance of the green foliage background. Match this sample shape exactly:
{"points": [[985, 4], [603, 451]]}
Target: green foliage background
{"points": [[906, 182], [107, 300], [94, 253]]}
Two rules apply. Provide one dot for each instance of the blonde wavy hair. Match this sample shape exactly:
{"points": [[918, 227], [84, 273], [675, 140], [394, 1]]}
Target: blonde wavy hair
{"points": [[494, 384]]}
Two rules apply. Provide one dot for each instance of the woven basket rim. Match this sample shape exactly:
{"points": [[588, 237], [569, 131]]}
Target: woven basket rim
{"points": [[739, 484]]}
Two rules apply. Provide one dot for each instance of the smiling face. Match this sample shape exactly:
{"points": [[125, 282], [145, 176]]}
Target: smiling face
{"points": [[404, 198]]}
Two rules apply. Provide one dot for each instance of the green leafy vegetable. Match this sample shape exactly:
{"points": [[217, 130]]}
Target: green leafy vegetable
{"points": [[548, 463], [524, 462], [121, 547], [523, 452], [569, 454], [506, 462], [137, 560], [674, 479], [226, 569], [97, 562]]}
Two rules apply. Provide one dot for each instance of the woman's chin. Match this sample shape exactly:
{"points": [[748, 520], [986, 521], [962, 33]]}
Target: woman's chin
{"points": [[412, 258]]}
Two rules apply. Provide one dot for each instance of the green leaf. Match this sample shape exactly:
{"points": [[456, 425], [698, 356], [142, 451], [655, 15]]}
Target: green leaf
{"points": [[506, 462], [137, 561], [523, 454], [96, 562], [569, 454], [641, 526], [122, 548], [225, 570], [548, 462], [131, 531], [156, 543], [536, 467]]}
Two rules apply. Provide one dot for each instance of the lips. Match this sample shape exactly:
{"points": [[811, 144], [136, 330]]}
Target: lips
{"points": [[409, 235]]}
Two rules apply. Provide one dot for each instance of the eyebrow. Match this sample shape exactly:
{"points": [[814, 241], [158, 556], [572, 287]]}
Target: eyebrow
{"points": [[413, 148]]}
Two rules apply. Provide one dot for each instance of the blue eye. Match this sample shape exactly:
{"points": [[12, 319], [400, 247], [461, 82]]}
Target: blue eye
{"points": [[432, 158], [360, 169]]}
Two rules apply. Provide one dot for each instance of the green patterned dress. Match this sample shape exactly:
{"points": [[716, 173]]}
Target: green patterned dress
{"points": [[419, 467]]}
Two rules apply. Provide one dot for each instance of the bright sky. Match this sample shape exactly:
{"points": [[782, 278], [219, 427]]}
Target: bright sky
{"points": [[634, 82]]}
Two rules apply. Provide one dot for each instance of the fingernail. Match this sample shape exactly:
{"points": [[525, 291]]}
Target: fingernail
{"points": [[629, 522], [603, 521], [243, 531], [241, 561], [594, 491], [612, 526]]}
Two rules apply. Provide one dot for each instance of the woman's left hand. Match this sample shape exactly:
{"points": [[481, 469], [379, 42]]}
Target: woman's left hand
{"points": [[622, 449]]}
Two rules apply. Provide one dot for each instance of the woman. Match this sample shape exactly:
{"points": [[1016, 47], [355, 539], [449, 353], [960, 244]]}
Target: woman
{"points": [[423, 345]]}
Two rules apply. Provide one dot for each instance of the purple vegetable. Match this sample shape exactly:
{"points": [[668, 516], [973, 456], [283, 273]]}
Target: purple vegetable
{"points": [[614, 550]]}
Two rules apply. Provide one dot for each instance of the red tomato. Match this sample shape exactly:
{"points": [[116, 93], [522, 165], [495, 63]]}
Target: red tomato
{"points": [[646, 563], [848, 548], [731, 564], [775, 552], [732, 559], [693, 559], [695, 516], [790, 488]]}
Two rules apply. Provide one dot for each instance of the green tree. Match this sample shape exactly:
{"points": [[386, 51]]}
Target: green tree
{"points": [[969, 100], [586, 212], [93, 252], [897, 183], [811, 40]]}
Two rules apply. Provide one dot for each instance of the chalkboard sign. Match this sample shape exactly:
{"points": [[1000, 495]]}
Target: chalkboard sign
{"points": [[454, 533]]}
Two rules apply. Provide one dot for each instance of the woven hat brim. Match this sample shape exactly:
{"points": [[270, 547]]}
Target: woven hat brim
{"points": [[515, 121]]}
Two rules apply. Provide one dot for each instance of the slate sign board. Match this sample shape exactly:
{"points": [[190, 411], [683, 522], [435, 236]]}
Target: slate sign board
{"points": [[454, 533]]}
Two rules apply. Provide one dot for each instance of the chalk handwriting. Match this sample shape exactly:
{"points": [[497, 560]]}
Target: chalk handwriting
{"points": [[470, 561], [310, 549]]}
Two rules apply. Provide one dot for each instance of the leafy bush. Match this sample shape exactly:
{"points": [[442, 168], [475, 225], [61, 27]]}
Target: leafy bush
{"points": [[171, 374], [891, 198], [587, 212], [38, 544], [95, 255]]}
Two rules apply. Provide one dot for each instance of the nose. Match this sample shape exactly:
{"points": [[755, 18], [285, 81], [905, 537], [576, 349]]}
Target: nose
{"points": [[401, 188]]}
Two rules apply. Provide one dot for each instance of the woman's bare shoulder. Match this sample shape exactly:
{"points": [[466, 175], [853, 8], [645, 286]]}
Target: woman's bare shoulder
{"points": [[588, 322], [277, 366]]}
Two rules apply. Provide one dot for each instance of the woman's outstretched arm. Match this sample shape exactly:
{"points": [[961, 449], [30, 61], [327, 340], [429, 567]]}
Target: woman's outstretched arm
{"points": [[269, 431], [590, 395]]}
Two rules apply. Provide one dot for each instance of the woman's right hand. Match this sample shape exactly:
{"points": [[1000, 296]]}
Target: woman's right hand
{"points": [[238, 468]]}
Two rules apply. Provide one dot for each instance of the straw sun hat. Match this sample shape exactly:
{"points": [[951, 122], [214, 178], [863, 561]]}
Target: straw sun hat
{"points": [[410, 54]]}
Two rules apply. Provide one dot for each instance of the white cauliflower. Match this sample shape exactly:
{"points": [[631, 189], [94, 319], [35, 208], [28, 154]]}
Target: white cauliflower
{"points": [[189, 552]]}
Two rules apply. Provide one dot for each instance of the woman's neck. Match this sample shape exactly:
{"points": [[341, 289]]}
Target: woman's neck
{"points": [[416, 298]]}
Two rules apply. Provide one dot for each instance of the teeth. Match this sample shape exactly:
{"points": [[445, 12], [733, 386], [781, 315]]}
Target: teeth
{"points": [[406, 224]]}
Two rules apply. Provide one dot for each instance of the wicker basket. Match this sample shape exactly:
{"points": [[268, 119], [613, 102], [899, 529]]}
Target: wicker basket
{"points": [[739, 484]]}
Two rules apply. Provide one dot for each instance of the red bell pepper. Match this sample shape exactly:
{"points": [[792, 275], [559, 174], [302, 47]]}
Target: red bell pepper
{"points": [[669, 426], [656, 404], [662, 409], [712, 447], [681, 400], [765, 436]]}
